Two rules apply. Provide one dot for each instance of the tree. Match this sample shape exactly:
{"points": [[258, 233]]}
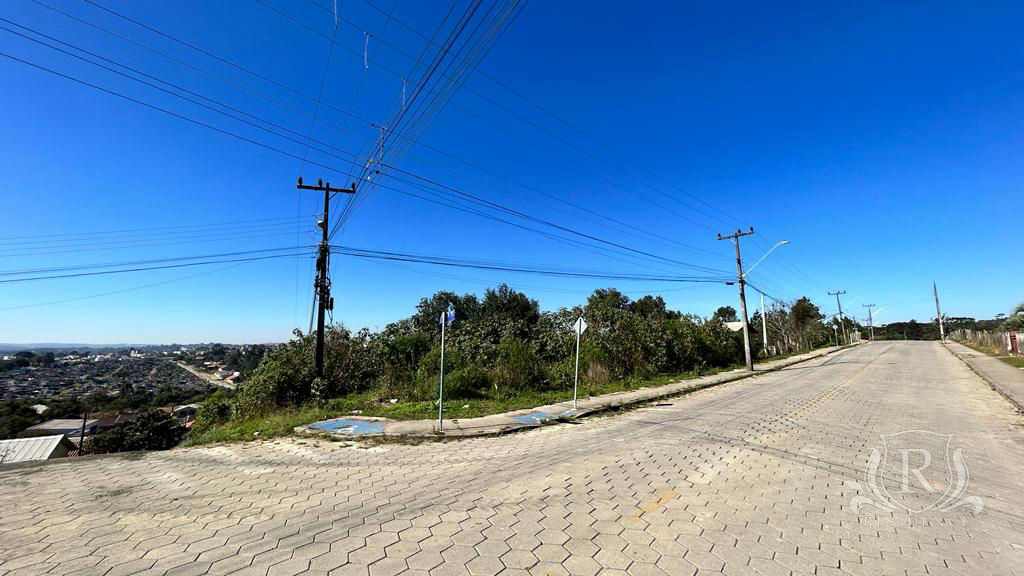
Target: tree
{"points": [[152, 430], [651, 307], [15, 417], [725, 314], [607, 299], [428, 311], [806, 322], [1015, 321], [504, 302]]}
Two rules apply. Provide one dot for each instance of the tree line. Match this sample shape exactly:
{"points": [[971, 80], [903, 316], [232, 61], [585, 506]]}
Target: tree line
{"points": [[502, 345]]}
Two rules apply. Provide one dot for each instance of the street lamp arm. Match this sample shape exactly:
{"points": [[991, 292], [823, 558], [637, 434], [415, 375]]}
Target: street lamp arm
{"points": [[765, 256]]}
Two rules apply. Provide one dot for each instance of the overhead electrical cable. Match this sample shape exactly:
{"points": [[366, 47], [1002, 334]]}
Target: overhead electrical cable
{"points": [[561, 119], [513, 267], [226, 237], [133, 232], [253, 116], [553, 135], [418, 114], [320, 96], [543, 221], [518, 213], [29, 271], [148, 268], [123, 290]]}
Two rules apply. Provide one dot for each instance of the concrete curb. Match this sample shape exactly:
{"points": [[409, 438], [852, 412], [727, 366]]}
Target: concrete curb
{"points": [[355, 427]]}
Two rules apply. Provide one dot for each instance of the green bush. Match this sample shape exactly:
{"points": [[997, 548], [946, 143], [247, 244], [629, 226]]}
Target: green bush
{"points": [[469, 382], [213, 412], [152, 430], [559, 375], [516, 369], [285, 375]]}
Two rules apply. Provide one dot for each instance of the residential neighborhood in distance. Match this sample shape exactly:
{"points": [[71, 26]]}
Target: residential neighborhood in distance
{"points": [[65, 392]]}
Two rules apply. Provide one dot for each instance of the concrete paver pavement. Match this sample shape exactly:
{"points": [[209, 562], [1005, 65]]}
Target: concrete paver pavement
{"points": [[767, 475]]}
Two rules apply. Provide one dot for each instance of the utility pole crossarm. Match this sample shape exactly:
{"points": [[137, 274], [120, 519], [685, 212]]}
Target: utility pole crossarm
{"points": [[325, 188], [737, 234]]}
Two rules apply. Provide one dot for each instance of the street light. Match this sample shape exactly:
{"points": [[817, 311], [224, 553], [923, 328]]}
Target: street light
{"points": [[764, 319], [751, 269]]}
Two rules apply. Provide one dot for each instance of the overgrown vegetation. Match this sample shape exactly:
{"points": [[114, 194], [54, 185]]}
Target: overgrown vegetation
{"points": [[152, 430], [502, 353]]}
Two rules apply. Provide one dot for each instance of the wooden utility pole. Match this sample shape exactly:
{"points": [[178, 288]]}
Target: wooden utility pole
{"points": [[938, 313], [81, 439], [743, 297], [871, 319], [322, 284], [840, 305]]}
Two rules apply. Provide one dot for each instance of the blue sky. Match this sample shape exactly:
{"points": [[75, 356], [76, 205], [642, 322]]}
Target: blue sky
{"points": [[882, 140]]}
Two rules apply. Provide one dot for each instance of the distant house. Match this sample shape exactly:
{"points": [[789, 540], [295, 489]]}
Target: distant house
{"points": [[734, 326], [40, 408], [37, 448], [108, 422], [66, 426]]}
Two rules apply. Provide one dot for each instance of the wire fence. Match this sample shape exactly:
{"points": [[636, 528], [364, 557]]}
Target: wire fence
{"points": [[1011, 342]]}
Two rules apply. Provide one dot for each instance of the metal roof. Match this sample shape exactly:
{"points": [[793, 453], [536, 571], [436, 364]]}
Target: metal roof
{"points": [[37, 448], [67, 425]]}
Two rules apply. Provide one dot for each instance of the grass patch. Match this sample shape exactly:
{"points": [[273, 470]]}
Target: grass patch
{"points": [[1015, 361], [280, 423], [999, 353]]}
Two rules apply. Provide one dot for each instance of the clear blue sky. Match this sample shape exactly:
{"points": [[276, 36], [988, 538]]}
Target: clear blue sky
{"points": [[883, 140]]}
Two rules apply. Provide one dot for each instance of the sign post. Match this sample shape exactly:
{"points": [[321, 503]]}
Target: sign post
{"points": [[580, 326], [447, 318]]}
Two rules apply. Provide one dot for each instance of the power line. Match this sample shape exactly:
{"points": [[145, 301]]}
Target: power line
{"points": [[517, 285], [148, 261], [319, 97], [245, 69], [299, 139], [157, 108], [123, 290], [594, 249], [217, 129], [546, 222], [326, 166], [395, 123], [509, 267], [147, 268], [778, 301], [129, 245], [266, 146], [556, 136], [109, 240], [128, 232], [208, 73]]}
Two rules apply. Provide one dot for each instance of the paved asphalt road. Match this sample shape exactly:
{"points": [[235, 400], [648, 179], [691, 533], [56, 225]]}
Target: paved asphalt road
{"points": [[760, 476]]}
